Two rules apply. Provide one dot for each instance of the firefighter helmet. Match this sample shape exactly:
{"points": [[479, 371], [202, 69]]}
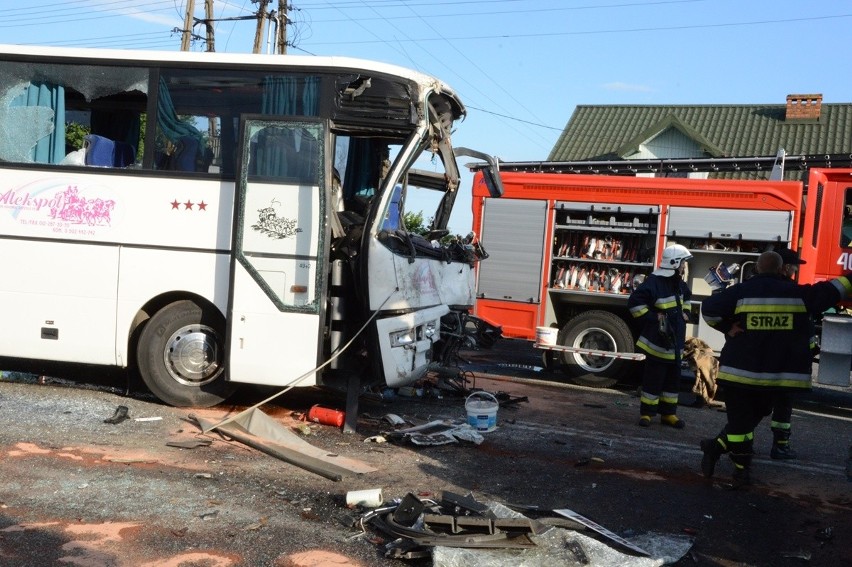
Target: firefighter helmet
{"points": [[673, 257]]}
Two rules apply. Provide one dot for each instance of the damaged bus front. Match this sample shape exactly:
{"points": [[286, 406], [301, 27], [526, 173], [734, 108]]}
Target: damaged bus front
{"points": [[419, 286]]}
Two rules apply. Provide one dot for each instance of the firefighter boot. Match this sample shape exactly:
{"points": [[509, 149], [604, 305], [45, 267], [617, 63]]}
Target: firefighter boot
{"points": [[781, 445], [742, 464], [712, 449]]}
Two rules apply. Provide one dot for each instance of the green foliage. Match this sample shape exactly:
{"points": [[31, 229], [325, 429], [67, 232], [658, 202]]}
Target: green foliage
{"points": [[413, 222], [74, 134]]}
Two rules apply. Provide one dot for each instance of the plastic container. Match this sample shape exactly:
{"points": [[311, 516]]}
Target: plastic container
{"points": [[370, 498], [546, 336], [326, 416], [481, 410]]}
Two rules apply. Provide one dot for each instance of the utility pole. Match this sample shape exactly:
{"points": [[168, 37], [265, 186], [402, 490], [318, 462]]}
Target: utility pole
{"points": [[187, 25], [281, 40], [261, 21], [208, 22]]}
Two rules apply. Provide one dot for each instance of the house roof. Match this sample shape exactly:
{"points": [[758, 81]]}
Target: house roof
{"points": [[612, 132]]}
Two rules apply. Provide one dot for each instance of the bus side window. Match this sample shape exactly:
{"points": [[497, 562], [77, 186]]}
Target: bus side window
{"points": [[28, 112]]}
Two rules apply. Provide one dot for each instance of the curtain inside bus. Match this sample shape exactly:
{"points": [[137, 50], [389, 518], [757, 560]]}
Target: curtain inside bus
{"points": [[281, 96], [290, 151], [186, 137], [363, 169], [48, 135]]}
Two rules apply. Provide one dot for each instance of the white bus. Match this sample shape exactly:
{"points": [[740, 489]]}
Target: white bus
{"points": [[212, 219]]}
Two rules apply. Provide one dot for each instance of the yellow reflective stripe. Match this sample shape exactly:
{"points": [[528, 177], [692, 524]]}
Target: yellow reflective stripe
{"points": [[843, 285], [669, 399], [732, 438], [786, 379], [758, 302], [655, 350], [649, 401], [774, 308], [639, 310], [780, 425]]}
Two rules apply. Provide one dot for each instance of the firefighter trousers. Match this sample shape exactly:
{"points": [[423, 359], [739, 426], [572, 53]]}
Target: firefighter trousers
{"points": [[660, 386], [746, 407], [782, 413]]}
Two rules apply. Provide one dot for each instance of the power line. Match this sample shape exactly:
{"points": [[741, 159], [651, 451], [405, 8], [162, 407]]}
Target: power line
{"points": [[515, 119], [601, 32]]}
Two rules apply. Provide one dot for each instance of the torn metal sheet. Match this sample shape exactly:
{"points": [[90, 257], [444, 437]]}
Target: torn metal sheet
{"points": [[572, 515], [259, 431], [557, 546], [439, 432]]}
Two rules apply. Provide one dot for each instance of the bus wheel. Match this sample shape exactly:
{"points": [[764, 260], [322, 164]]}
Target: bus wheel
{"points": [[180, 356], [596, 330]]}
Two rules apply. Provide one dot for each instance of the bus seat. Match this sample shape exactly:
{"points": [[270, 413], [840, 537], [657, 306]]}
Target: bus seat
{"points": [[185, 154], [103, 152]]}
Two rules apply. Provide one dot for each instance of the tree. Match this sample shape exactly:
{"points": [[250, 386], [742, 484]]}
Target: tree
{"points": [[413, 222], [74, 134]]}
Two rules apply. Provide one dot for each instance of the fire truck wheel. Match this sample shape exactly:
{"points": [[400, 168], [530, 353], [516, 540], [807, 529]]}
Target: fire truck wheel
{"points": [[596, 330], [180, 355]]}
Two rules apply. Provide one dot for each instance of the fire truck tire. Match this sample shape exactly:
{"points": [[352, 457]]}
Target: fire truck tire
{"points": [[180, 355], [599, 330]]}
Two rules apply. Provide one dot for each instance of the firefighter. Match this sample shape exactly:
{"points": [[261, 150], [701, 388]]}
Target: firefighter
{"points": [[658, 305], [767, 323], [782, 408]]}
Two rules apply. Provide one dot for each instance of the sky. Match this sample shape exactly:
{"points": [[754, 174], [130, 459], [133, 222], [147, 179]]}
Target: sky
{"points": [[521, 67]]}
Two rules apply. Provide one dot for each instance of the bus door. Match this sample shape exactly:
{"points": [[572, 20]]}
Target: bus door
{"points": [[275, 303]]}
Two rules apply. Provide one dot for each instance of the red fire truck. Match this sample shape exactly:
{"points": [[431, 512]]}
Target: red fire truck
{"points": [[567, 244]]}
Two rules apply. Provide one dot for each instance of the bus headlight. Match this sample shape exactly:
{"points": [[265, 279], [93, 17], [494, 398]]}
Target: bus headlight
{"points": [[402, 338]]}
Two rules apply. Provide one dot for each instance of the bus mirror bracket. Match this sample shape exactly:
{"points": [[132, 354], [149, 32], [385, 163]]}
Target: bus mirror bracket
{"points": [[490, 173]]}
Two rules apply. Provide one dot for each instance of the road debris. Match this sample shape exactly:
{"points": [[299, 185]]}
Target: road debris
{"points": [[460, 531], [261, 432], [121, 414], [438, 432]]}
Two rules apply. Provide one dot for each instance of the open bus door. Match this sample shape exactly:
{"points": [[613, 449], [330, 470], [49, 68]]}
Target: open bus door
{"points": [[277, 284]]}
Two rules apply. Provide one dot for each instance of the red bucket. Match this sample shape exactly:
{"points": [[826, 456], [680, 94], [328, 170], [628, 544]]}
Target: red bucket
{"points": [[326, 416]]}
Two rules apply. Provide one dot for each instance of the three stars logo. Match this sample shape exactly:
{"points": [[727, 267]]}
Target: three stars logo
{"points": [[188, 205]]}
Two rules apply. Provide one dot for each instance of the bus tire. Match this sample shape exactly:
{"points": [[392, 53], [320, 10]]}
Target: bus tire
{"points": [[600, 330], [181, 355]]}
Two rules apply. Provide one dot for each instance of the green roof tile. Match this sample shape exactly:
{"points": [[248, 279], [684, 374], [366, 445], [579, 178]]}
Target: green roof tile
{"points": [[612, 131]]}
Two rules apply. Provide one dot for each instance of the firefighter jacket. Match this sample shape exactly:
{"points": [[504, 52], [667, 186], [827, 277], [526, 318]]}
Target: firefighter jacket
{"points": [[662, 339], [774, 348]]}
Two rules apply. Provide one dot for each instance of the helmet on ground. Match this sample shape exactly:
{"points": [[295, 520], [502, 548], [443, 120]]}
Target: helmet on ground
{"points": [[673, 257]]}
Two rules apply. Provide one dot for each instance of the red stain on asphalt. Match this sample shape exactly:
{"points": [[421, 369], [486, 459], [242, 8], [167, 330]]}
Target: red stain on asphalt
{"points": [[315, 558], [24, 449]]}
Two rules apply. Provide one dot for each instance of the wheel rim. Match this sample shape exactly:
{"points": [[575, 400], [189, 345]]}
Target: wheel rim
{"points": [[192, 355], [593, 339]]}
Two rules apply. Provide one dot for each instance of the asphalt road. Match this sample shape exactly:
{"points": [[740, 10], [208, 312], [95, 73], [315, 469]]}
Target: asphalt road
{"points": [[76, 490]]}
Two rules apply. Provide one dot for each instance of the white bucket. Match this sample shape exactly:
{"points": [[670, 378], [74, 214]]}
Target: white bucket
{"points": [[546, 336], [481, 410]]}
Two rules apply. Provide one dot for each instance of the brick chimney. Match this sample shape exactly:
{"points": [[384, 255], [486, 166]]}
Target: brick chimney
{"points": [[803, 106]]}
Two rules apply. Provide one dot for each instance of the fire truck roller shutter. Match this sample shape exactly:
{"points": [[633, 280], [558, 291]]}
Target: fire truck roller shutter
{"points": [[596, 330]]}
